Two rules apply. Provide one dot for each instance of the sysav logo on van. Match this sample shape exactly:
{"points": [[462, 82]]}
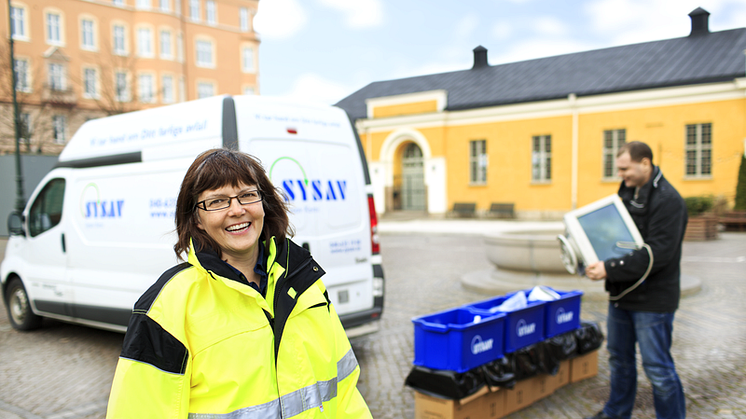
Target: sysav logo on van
{"points": [[303, 189], [563, 316], [523, 329], [478, 345], [93, 207]]}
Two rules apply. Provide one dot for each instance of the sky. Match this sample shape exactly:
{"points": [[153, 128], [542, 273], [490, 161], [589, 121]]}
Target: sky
{"points": [[325, 50]]}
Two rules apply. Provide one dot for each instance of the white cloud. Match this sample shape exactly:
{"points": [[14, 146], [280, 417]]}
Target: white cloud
{"points": [[311, 87], [358, 13], [279, 19], [547, 25]]}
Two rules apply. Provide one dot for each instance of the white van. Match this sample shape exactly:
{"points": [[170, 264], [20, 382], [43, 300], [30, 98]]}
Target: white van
{"points": [[99, 229]]}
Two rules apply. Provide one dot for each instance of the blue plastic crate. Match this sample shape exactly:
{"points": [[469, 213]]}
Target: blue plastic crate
{"points": [[453, 340], [562, 315], [523, 327]]}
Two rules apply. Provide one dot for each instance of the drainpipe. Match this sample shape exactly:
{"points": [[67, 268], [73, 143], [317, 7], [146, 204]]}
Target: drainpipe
{"points": [[572, 99]]}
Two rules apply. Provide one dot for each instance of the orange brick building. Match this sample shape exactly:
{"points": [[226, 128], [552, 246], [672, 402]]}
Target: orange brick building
{"points": [[81, 59]]}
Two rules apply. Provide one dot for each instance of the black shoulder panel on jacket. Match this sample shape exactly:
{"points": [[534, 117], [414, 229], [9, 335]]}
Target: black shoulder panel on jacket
{"points": [[147, 299], [146, 341]]}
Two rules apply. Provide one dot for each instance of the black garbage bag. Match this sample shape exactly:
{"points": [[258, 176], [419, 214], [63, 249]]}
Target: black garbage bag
{"points": [[445, 384], [561, 347], [589, 337], [499, 373], [530, 361]]}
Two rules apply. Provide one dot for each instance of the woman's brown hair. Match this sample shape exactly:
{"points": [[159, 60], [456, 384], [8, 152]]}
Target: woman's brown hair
{"points": [[214, 169]]}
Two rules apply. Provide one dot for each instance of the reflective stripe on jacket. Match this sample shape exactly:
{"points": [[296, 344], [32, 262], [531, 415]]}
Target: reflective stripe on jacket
{"points": [[202, 343]]}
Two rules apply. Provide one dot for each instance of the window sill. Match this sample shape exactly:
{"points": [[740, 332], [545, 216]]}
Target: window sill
{"points": [[481, 184], [541, 182], [695, 178], [611, 180]]}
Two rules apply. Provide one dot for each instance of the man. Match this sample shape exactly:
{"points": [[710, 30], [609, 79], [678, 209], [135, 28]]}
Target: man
{"points": [[643, 313]]}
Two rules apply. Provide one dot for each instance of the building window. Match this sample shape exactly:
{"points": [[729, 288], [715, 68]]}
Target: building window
{"points": [[87, 34], [205, 89], [699, 149], [120, 38], [167, 52], [117, 2], [180, 48], [143, 4], [212, 12], [541, 158], [56, 76], [121, 92], [145, 88], [90, 83], [613, 140], [144, 42], [167, 85], [243, 18], [248, 90], [54, 29], [194, 9], [182, 89], [177, 7], [59, 128], [164, 5], [18, 22], [247, 60], [478, 162], [25, 128], [204, 53], [20, 68]]}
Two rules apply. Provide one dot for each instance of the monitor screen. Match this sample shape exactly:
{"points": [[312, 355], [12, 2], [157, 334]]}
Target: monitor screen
{"points": [[605, 227]]}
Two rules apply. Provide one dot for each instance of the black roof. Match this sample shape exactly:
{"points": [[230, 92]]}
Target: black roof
{"points": [[702, 57]]}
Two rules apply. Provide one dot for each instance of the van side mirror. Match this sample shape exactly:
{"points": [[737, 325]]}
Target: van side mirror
{"points": [[15, 224]]}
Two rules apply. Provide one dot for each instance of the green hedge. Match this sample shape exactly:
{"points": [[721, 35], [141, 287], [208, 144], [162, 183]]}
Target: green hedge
{"points": [[741, 186], [696, 205]]}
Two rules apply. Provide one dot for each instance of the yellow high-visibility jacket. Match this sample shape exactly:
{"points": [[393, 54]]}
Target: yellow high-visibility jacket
{"points": [[202, 343]]}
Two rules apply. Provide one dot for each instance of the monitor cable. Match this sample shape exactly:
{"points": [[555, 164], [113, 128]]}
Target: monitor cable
{"points": [[633, 246]]}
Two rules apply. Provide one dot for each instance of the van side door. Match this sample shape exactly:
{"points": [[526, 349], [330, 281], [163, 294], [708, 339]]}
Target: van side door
{"points": [[46, 257]]}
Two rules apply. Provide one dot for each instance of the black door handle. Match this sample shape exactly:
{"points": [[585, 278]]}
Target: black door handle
{"points": [[64, 248]]}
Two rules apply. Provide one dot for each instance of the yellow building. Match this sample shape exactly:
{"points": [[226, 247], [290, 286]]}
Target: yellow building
{"points": [[81, 59], [543, 134]]}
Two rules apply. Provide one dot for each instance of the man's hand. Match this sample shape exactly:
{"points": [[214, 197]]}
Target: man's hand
{"points": [[596, 271]]}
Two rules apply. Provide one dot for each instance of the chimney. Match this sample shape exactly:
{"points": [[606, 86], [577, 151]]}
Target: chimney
{"points": [[699, 18], [480, 57]]}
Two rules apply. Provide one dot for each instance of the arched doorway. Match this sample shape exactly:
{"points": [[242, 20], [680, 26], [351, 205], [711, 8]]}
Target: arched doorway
{"points": [[412, 179]]}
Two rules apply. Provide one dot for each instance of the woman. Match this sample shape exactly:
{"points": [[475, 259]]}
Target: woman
{"points": [[244, 328]]}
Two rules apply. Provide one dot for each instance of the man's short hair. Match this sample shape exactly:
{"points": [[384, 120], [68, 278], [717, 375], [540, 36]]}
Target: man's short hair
{"points": [[637, 151]]}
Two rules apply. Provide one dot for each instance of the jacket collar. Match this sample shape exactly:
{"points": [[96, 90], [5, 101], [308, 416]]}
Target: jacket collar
{"points": [[639, 203]]}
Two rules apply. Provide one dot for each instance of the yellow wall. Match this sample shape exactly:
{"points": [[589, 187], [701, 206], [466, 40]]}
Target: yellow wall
{"points": [[405, 109], [509, 147]]}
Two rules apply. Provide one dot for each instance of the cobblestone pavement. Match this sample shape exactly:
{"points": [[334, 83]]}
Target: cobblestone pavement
{"points": [[64, 371]]}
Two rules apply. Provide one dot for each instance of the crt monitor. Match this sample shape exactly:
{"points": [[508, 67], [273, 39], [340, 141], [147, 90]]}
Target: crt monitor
{"points": [[598, 231]]}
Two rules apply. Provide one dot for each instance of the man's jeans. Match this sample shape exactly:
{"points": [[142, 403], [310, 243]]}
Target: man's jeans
{"points": [[652, 331]]}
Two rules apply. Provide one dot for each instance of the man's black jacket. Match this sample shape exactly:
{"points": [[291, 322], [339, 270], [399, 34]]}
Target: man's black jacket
{"points": [[660, 214]]}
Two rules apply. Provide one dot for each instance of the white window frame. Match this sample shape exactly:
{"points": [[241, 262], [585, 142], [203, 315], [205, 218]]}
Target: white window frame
{"points": [[116, 39], [90, 83], [698, 150], [249, 90], [164, 5], [146, 88], [248, 59], [204, 53], [59, 128], [182, 89], [143, 4], [201, 89], [211, 12], [88, 35], [611, 141], [121, 86], [478, 162], [57, 77], [54, 28], [177, 7], [167, 88], [23, 74], [19, 22], [166, 48], [145, 42], [243, 19], [117, 2], [194, 10], [541, 158]]}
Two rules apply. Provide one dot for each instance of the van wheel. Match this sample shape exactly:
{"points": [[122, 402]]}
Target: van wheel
{"points": [[19, 308]]}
